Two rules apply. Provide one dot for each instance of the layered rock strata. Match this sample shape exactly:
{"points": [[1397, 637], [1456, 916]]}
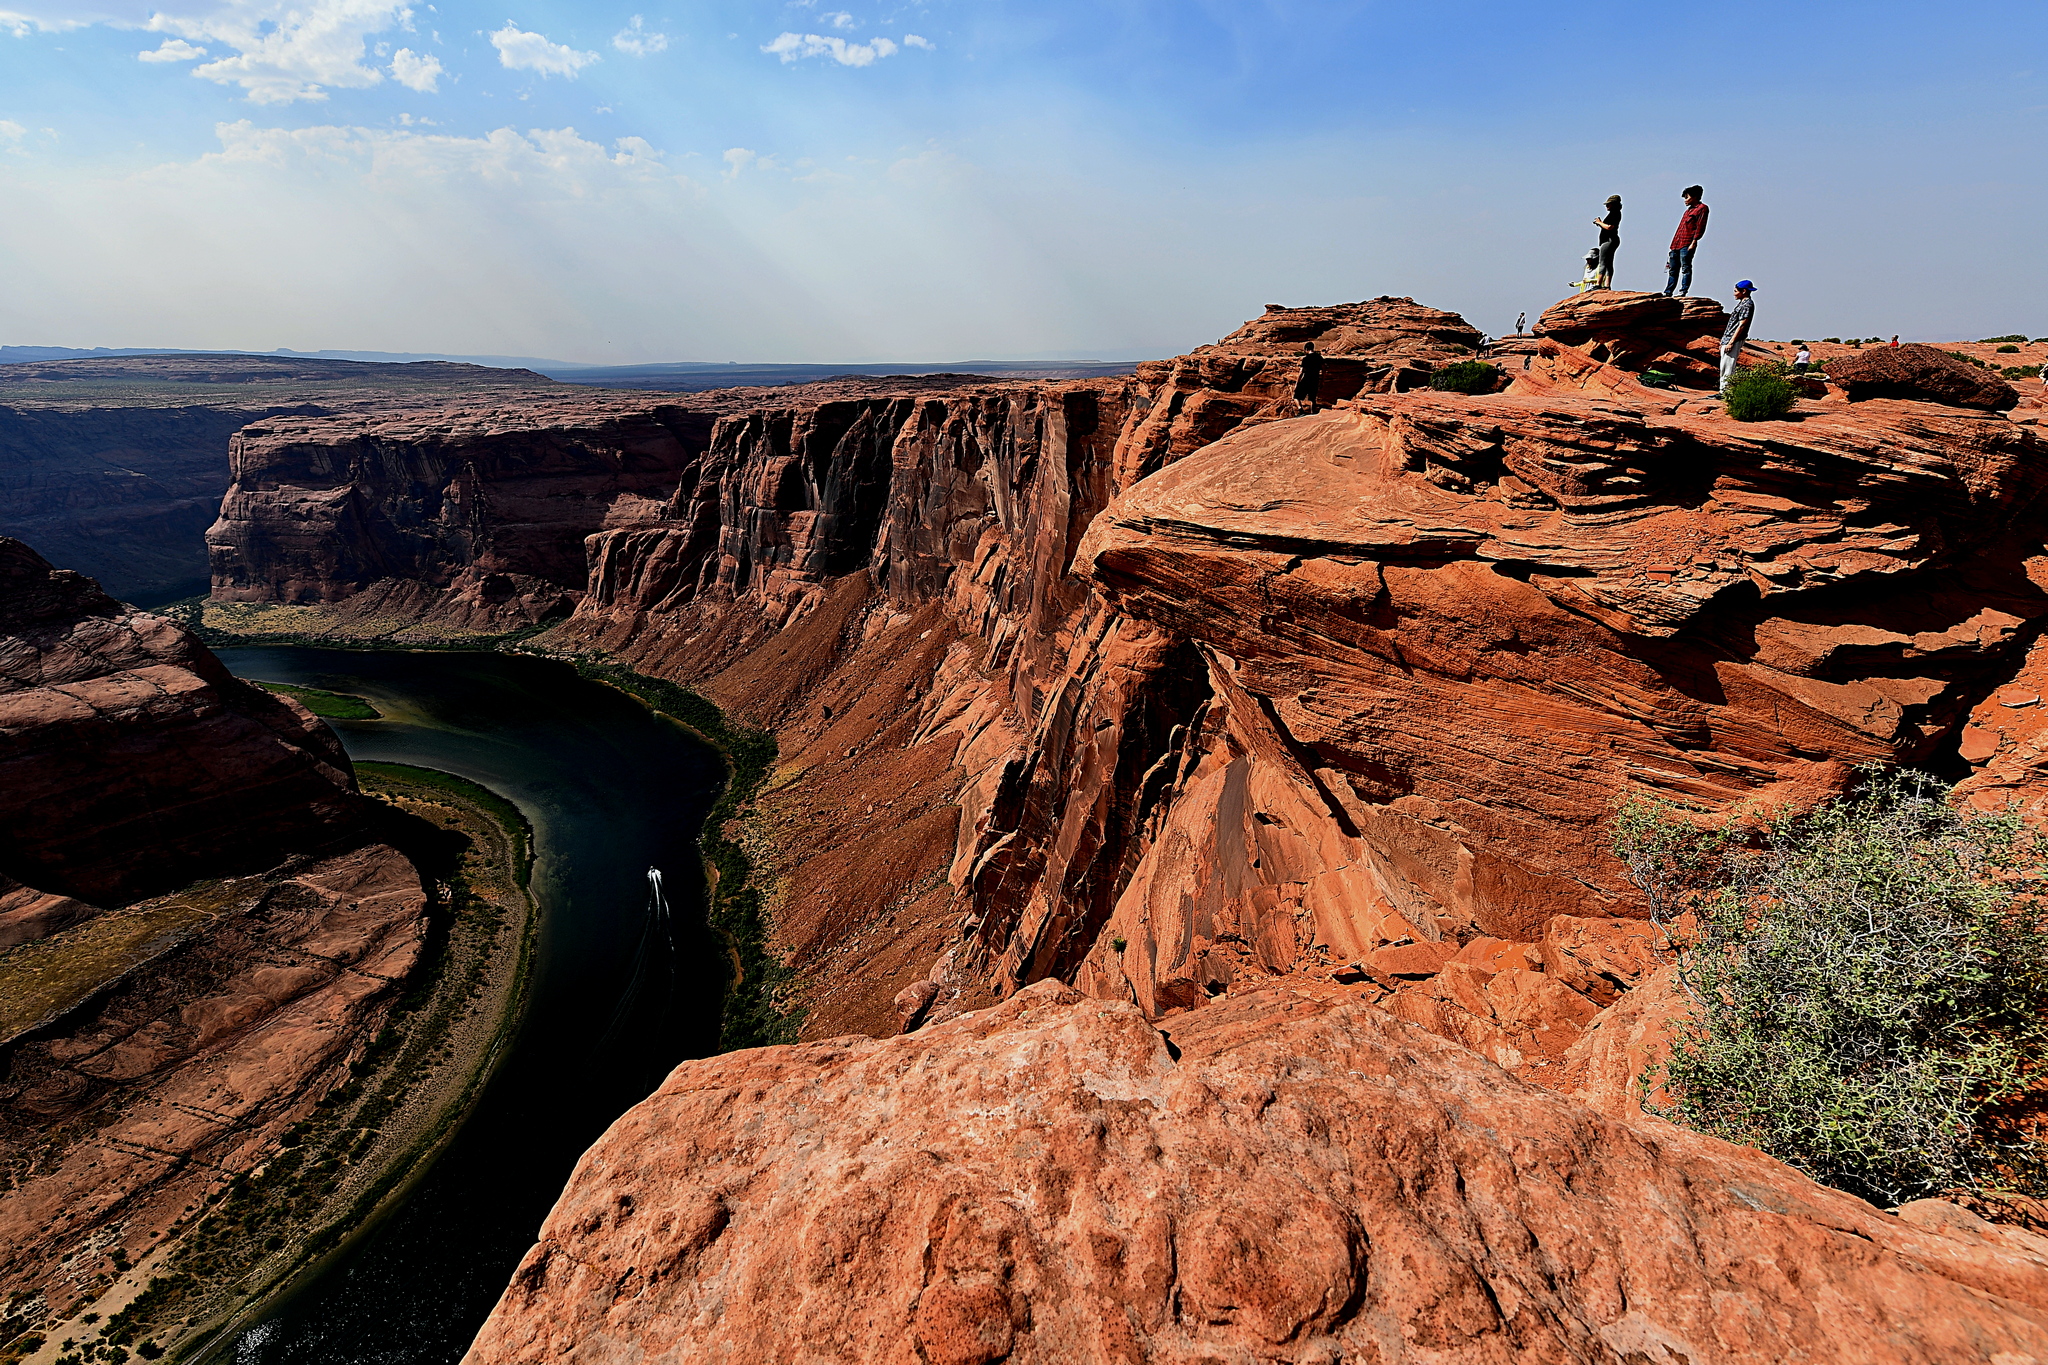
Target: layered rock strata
{"points": [[1287, 1176], [1346, 694], [144, 1100], [132, 761], [115, 466]]}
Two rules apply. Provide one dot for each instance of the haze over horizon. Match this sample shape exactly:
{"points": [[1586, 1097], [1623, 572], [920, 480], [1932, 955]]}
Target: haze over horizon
{"points": [[644, 182]]}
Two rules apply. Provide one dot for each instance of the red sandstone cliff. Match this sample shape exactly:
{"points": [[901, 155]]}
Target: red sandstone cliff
{"points": [[132, 761], [1157, 688]]}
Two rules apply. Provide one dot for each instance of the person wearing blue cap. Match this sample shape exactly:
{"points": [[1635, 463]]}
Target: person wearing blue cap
{"points": [[1738, 330]]}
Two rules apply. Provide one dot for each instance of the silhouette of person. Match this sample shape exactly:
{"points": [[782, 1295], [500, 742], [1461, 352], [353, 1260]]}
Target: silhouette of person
{"points": [[1610, 239], [1311, 377], [1521, 321]]}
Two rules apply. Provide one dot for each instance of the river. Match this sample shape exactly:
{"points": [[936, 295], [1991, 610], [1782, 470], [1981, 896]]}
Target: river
{"points": [[611, 789]]}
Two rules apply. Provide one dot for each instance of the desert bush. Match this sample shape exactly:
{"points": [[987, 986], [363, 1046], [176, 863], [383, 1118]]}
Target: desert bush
{"points": [[1759, 393], [2007, 350], [1834, 340], [2021, 372], [1466, 376], [1869, 985], [2016, 336]]}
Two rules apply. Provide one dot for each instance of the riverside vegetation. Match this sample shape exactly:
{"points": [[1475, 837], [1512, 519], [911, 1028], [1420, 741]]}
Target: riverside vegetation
{"points": [[1868, 986], [759, 1009]]}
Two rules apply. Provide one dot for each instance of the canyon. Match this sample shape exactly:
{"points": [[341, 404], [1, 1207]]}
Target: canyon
{"points": [[1189, 830], [1180, 737]]}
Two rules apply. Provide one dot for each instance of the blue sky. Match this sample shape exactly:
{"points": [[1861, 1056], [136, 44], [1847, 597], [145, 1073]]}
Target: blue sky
{"points": [[834, 181]]}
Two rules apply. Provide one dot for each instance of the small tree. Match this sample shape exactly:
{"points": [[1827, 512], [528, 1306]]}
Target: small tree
{"points": [[1759, 393], [1869, 986], [1466, 376]]}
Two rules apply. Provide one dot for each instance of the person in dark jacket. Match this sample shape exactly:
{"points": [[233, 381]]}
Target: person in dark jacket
{"points": [[1610, 239], [1311, 377], [1692, 225]]}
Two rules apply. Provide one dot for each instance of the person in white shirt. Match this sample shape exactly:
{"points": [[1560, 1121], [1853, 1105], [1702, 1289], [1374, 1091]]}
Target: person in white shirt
{"points": [[1738, 330]]}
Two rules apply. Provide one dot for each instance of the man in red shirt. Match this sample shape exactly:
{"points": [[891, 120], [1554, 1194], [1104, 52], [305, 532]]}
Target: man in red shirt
{"points": [[1692, 225]]}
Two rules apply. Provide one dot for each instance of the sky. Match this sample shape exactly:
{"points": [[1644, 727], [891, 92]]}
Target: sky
{"points": [[723, 180]]}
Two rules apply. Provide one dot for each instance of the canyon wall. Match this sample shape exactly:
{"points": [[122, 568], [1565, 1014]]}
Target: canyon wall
{"points": [[1347, 695], [132, 761], [1188, 768]]}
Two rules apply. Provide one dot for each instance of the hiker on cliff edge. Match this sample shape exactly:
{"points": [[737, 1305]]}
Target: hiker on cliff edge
{"points": [[1738, 330], [1610, 239], [1692, 225], [1311, 376]]}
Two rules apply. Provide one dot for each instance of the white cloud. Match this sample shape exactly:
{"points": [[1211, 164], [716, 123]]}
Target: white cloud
{"points": [[172, 50], [10, 131], [736, 160], [521, 51], [284, 50], [793, 46], [838, 19], [416, 72], [635, 41], [912, 40]]}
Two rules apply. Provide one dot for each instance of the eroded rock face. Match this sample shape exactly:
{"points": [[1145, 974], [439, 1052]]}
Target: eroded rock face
{"points": [[1918, 371], [184, 1072], [131, 761], [1292, 1176]]}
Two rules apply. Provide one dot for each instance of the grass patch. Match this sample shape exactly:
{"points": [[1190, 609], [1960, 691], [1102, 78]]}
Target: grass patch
{"points": [[46, 978], [758, 1009], [1466, 376], [399, 776], [327, 705], [1759, 393], [1869, 986]]}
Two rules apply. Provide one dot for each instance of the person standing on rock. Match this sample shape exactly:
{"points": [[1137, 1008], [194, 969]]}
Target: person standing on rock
{"points": [[1692, 225], [1610, 239], [1802, 359], [1738, 330], [1311, 377], [1521, 321]]}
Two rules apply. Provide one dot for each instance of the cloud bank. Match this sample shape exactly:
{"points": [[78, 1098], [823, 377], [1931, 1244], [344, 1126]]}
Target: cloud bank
{"points": [[792, 47]]}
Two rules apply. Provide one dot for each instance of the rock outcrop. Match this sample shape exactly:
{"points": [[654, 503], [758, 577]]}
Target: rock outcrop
{"points": [[144, 1100], [115, 466], [1289, 1176], [131, 761], [1637, 331], [1918, 371]]}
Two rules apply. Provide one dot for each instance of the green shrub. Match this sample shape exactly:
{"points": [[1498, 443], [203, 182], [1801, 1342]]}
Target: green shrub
{"points": [[1869, 985], [2008, 350], [1759, 393], [2016, 336], [1832, 340], [1466, 376], [2021, 372]]}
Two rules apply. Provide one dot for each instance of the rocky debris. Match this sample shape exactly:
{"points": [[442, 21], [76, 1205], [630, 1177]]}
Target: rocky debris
{"points": [[184, 1072], [1926, 373], [1639, 331], [1288, 1176], [131, 761]]}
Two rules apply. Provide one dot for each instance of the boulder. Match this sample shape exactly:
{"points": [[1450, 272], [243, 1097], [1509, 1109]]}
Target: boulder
{"points": [[1291, 1176], [1922, 372]]}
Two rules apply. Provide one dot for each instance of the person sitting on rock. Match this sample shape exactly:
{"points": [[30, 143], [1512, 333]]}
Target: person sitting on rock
{"points": [[1692, 225], [1802, 359], [1311, 377], [1610, 239], [1738, 330]]}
